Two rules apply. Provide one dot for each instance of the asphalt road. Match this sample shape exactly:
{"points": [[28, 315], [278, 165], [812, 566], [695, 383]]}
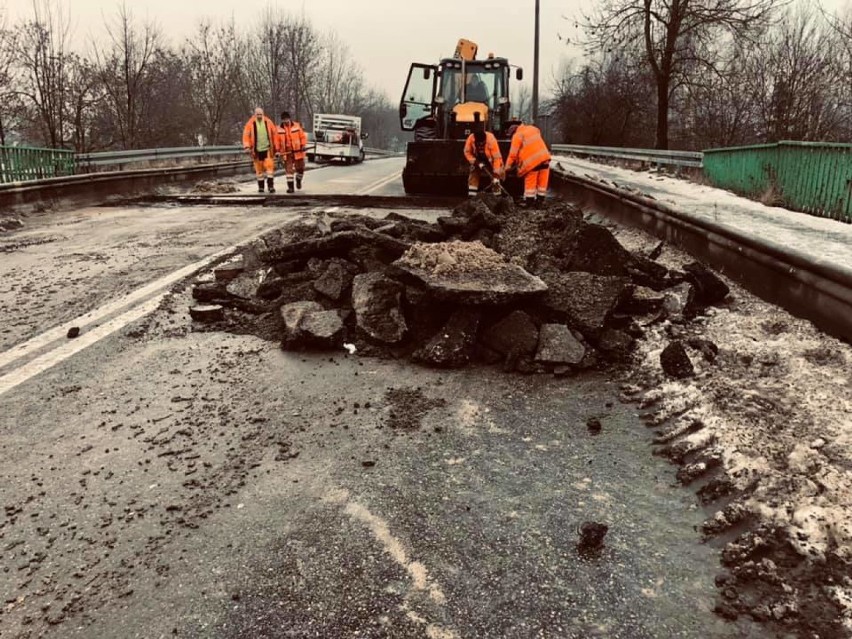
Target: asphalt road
{"points": [[159, 481]]}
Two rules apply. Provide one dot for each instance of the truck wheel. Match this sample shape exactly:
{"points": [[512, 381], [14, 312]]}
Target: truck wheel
{"points": [[311, 157]]}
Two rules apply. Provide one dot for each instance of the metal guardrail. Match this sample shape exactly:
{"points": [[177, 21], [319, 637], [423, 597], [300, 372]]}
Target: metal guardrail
{"points": [[111, 158], [692, 159], [86, 161], [24, 164]]}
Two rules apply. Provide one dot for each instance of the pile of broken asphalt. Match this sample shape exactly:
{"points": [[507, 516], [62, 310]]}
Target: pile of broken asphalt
{"points": [[535, 290]]}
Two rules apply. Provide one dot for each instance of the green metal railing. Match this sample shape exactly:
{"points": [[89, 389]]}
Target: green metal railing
{"points": [[814, 177], [22, 163]]}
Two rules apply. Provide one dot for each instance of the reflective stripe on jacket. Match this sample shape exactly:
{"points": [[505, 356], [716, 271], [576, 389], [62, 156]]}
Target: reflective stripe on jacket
{"points": [[491, 150], [293, 140], [528, 149], [250, 134]]}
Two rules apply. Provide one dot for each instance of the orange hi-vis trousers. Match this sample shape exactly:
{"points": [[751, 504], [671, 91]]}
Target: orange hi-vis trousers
{"points": [[535, 183], [264, 164]]}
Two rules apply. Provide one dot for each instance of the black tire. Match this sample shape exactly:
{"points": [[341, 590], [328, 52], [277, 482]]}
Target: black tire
{"points": [[311, 157]]}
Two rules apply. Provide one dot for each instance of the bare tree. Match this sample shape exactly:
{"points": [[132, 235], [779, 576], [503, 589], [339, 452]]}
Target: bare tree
{"points": [[42, 45], [214, 56], [266, 63], [802, 86], [7, 81], [717, 108], [338, 85], [303, 49], [603, 102], [677, 36], [124, 68], [522, 102], [83, 97]]}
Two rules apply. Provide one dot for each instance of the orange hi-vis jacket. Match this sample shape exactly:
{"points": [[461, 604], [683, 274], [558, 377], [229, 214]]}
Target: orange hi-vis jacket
{"points": [[250, 135], [528, 149], [490, 150], [293, 140]]}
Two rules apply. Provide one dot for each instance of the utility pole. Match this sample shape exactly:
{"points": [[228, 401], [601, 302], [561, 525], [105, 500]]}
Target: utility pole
{"points": [[535, 69]]}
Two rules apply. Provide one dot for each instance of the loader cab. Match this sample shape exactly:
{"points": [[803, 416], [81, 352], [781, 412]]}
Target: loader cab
{"points": [[445, 101]]}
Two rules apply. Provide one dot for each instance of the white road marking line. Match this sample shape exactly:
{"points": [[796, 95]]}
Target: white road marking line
{"points": [[418, 573], [60, 332], [65, 348], [380, 183], [53, 357]]}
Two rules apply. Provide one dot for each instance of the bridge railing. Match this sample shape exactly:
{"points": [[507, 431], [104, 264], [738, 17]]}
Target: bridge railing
{"points": [[691, 159], [814, 177], [24, 163], [88, 162]]}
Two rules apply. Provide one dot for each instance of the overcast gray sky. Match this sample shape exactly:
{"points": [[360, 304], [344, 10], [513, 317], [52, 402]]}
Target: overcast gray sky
{"points": [[384, 36]]}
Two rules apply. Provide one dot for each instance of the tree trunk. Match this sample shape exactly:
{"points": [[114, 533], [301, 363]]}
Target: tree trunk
{"points": [[662, 138]]}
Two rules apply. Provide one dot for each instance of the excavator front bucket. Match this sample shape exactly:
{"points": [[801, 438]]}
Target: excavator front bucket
{"points": [[438, 167]]}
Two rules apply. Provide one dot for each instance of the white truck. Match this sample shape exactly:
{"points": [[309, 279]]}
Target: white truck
{"points": [[337, 137]]}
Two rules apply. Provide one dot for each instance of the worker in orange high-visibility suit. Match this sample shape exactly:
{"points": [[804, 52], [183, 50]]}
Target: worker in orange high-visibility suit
{"points": [[294, 142], [260, 140], [530, 156], [486, 163]]}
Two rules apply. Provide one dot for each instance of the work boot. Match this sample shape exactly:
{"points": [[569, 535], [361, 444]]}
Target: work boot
{"points": [[270, 185], [260, 186], [539, 202], [298, 181], [290, 188], [527, 203]]}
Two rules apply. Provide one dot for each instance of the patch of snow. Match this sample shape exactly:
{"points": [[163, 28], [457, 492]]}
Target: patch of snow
{"points": [[822, 240]]}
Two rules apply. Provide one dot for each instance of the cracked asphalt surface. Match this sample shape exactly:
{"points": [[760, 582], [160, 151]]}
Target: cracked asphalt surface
{"points": [[167, 482]]}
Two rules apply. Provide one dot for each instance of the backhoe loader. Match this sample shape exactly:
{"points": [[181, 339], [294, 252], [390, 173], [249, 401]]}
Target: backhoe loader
{"points": [[442, 104]]}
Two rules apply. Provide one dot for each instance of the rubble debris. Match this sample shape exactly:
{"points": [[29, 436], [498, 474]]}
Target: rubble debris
{"points": [[677, 299], [707, 348], [334, 244], [616, 343], [308, 325], [336, 278], [642, 300], [73, 332], [514, 335], [536, 290], [594, 425], [376, 300], [207, 313], [493, 285], [709, 287], [229, 271], [447, 258], [592, 535], [558, 345], [215, 186], [453, 346], [10, 223], [584, 299], [675, 361]]}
